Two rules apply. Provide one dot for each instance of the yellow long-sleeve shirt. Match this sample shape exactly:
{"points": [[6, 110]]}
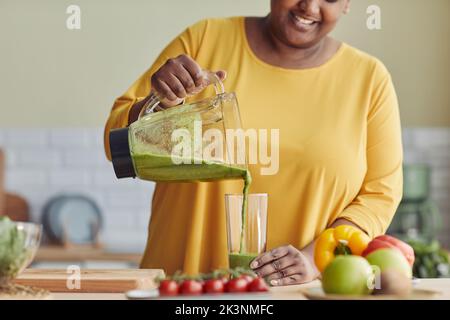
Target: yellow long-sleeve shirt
{"points": [[340, 149]]}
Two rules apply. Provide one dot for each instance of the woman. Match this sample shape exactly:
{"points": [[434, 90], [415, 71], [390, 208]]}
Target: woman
{"points": [[340, 140]]}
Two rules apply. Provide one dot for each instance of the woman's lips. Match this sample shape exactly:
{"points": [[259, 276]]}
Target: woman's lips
{"points": [[303, 23]]}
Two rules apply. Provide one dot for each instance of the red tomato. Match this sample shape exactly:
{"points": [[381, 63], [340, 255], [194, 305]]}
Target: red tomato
{"points": [[191, 287], [236, 285], [168, 288], [213, 286], [224, 279], [386, 241], [247, 277], [257, 285]]}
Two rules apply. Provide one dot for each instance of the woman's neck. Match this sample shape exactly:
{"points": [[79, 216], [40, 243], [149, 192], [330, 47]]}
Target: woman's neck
{"points": [[270, 49]]}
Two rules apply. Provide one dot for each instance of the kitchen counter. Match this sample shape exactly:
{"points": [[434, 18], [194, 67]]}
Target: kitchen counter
{"points": [[278, 293]]}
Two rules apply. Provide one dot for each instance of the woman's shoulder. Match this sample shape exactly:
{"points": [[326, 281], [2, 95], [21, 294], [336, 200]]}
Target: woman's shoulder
{"points": [[364, 61], [209, 34], [216, 25]]}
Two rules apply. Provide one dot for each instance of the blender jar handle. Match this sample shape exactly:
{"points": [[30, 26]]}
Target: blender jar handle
{"points": [[154, 100]]}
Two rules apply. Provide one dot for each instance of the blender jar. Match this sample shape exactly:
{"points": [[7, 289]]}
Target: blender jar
{"points": [[182, 143]]}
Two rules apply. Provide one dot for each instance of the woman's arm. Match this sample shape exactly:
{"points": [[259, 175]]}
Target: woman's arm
{"points": [[374, 207]]}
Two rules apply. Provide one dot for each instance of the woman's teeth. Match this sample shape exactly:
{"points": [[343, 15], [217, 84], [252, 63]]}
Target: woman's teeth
{"points": [[304, 21]]}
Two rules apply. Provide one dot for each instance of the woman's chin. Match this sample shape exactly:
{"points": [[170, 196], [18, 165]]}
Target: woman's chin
{"points": [[301, 42]]}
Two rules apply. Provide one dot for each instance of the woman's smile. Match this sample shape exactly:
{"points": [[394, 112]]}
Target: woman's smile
{"points": [[303, 23]]}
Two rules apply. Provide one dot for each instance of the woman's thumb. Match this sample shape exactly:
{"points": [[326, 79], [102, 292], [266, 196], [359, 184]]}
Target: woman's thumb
{"points": [[222, 74]]}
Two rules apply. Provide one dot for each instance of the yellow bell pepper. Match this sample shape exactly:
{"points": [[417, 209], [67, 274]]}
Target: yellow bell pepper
{"points": [[342, 240]]}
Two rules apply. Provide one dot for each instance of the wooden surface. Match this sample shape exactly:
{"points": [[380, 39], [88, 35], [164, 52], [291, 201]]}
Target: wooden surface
{"points": [[82, 253], [278, 293], [91, 281], [16, 207]]}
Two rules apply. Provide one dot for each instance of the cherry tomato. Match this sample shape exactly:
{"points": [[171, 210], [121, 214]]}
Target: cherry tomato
{"points": [[213, 286], [191, 287], [236, 285], [257, 285], [247, 277], [224, 279], [168, 288]]}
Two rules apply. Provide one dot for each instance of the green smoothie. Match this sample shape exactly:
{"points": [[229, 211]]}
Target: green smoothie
{"points": [[159, 167], [240, 259], [243, 259], [247, 182]]}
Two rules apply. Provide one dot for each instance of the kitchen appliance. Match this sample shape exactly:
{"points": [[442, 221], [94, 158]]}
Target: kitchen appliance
{"points": [[184, 143]]}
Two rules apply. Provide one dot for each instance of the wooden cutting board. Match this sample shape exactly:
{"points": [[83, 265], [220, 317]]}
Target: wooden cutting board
{"points": [[90, 280]]}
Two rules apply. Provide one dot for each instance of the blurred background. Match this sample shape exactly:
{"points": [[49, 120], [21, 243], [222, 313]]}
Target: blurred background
{"points": [[58, 85]]}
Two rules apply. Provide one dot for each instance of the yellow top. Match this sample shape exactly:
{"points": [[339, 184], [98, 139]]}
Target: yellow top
{"points": [[340, 149]]}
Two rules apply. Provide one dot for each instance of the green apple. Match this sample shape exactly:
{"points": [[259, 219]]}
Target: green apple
{"points": [[390, 259], [348, 275]]}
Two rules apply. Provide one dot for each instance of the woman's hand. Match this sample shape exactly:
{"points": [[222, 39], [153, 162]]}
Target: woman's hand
{"points": [[285, 265], [179, 77]]}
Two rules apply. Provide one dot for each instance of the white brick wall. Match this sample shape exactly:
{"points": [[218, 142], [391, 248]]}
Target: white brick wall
{"points": [[42, 163]]}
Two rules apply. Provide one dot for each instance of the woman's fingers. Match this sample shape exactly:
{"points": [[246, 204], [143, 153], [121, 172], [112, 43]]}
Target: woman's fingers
{"points": [[222, 74], [176, 86], [179, 77], [269, 256], [285, 265], [193, 69], [284, 273], [290, 280], [302, 271], [164, 90], [185, 78], [275, 266]]}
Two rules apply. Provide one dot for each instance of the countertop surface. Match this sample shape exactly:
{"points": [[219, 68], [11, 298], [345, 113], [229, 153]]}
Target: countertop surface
{"points": [[442, 286]]}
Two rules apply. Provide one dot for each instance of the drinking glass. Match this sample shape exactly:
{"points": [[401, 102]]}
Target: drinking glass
{"points": [[253, 243]]}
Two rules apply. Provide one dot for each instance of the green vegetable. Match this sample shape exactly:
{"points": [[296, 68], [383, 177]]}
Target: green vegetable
{"points": [[431, 260], [12, 249]]}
